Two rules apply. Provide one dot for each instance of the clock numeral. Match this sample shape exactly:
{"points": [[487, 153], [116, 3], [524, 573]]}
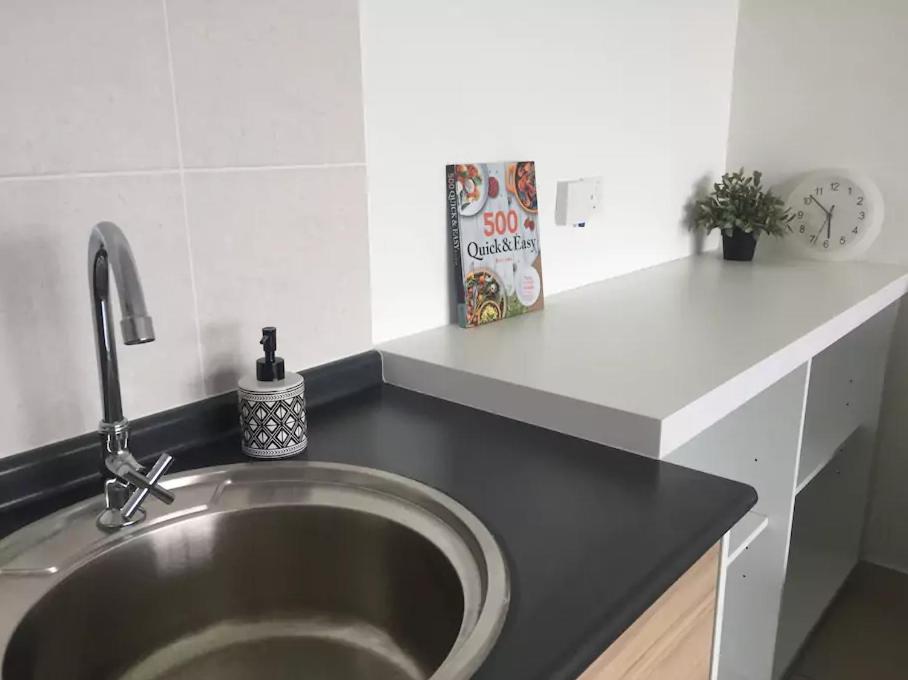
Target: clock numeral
{"points": [[826, 243], [800, 214], [862, 215], [802, 229], [834, 186], [813, 239], [854, 231], [807, 200], [849, 190], [860, 200], [842, 241], [818, 191]]}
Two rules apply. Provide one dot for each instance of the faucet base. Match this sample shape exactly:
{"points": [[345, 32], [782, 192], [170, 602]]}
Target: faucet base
{"points": [[112, 519]]}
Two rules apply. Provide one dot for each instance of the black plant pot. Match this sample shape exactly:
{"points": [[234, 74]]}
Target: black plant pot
{"points": [[739, 246]]}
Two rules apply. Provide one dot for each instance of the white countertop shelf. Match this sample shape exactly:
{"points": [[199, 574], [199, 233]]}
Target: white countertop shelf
{"points": [[648, 360]]}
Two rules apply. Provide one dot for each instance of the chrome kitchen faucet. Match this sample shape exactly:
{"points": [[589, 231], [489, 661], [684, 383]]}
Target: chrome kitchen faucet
{"points": [[125, 486]]}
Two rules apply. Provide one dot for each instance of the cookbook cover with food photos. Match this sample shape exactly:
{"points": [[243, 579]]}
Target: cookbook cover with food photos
{"points": [[493, 223]]}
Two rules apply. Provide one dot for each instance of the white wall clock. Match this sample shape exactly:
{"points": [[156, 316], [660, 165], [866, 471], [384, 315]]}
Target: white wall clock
{"points": [[838, 214]]}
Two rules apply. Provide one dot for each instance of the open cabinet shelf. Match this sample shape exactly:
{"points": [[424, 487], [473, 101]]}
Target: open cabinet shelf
{"points": [[815, 459], [751, 592], [825, 544], [744, 533]]}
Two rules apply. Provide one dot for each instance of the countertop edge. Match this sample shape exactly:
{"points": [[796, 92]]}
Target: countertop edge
{"points": [[653, 435], [692, 419], [653, 586], [639, 433]]}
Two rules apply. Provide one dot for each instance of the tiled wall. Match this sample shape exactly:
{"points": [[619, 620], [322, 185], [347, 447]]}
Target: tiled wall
{"points": [[226, 139]]}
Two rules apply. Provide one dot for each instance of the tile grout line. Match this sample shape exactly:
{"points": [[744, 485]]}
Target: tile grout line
{"points": [[260, 168], [151, 172], [182, 177]]}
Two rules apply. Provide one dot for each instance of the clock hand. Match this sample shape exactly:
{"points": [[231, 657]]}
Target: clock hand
{"points": [[822, 226], [822, 207], [829, 223]]}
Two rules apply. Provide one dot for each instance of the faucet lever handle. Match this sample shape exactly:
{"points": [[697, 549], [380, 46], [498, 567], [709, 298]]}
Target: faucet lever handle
{"points": [[148, 485]]}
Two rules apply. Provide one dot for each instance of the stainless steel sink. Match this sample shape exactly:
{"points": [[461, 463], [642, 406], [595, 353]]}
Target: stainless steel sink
{"points": [[273, 571]]}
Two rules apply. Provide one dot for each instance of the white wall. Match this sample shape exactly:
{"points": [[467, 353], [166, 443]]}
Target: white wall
{"points": [[637, 92], [225, 137], [822, 83]]}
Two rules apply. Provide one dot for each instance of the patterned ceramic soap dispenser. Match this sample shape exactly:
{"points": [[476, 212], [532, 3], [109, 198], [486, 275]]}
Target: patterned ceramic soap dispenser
{"points": [[272, 406]]}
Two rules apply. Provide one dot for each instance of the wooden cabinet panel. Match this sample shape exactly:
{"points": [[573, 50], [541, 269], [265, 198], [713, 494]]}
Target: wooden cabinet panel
{"points": [[673, 638]]}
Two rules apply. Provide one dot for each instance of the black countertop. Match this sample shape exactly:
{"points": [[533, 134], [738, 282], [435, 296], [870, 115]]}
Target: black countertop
{"points": [[592, 535]]}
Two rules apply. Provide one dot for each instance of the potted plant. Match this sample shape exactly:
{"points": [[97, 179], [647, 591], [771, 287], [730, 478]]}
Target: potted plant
{"points": [[742, 209]]}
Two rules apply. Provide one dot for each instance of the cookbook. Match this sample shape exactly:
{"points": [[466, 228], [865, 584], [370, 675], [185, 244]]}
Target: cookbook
{"points": [[493, 226]]}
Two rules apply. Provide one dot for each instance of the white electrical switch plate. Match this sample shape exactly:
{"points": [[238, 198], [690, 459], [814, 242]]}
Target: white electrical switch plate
{"points": [[576, 200]]}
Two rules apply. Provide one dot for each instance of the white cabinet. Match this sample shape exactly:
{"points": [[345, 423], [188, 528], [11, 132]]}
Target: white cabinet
{"points": [[843, 401], [825, 543], [756, 444], [845, 387], [805, 444]]}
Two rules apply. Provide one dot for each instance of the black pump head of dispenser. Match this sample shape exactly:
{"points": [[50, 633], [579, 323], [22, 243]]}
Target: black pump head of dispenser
{"points": [[269, 367]]}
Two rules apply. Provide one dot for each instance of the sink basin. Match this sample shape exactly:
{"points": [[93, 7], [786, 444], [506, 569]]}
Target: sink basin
{"points": [[262, 570]]}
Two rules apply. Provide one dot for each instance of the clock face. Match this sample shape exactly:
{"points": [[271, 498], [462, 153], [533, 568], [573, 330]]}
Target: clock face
{"points": [[836, 215]]}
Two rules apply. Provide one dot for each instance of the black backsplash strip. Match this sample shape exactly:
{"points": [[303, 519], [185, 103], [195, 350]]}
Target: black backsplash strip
{"points": [[31, 476]]}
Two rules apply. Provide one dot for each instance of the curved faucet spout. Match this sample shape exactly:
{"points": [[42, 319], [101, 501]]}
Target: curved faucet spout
{"points": [[109, 251]]}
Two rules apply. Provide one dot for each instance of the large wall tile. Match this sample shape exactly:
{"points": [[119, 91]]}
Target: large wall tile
{"points": [[85, 87], [47, 352], [270, 82], [286, 248]]}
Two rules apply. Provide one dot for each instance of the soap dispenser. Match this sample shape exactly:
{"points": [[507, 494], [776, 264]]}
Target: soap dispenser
{"points": [[272, 406]]}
